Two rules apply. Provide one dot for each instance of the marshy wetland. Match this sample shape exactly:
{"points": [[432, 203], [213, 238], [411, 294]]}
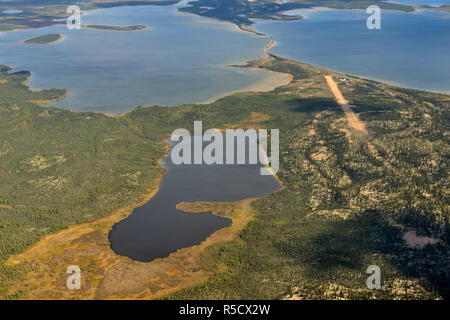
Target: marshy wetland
{"points": [[80, 184]]}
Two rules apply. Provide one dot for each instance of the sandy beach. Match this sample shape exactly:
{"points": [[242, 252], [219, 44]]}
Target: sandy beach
{"points": [[272, 81]]}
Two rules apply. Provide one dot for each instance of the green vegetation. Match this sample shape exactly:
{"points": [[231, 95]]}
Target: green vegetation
{"points": [[315, 238], [43, 13], [44, 39], [59, 168], [243, 12], [114, 28], [312, 240], [344, 193]]}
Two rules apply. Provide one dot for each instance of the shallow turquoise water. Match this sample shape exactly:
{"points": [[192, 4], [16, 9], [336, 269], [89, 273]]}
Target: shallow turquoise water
{"points": [[411, 49]]}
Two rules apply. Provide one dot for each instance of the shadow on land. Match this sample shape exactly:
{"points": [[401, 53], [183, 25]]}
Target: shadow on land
{"points": [[315, 105], [353, 244]]}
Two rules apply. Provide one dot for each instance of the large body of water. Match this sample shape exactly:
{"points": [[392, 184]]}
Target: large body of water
{"points": [[178, 59], [431, 3], [158, 229], [411, 49]]}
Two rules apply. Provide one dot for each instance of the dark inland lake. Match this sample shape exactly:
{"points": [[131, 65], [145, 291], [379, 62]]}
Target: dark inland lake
{"points": [[157, 229]]}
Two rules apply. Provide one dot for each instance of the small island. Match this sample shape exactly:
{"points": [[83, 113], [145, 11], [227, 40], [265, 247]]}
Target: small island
{"points": [[114, 28], [45, 39]]}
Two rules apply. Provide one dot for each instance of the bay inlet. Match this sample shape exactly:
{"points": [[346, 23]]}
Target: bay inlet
{"points": [[178, 59], [403, 52]]}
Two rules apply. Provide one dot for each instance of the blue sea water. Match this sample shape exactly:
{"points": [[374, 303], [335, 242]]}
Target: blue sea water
{"points": [[410, 49], [178, 59], [12, 11], [431, 3]]}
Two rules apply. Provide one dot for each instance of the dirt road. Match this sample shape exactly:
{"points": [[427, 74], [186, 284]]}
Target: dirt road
{"points": [[352, 118]]}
